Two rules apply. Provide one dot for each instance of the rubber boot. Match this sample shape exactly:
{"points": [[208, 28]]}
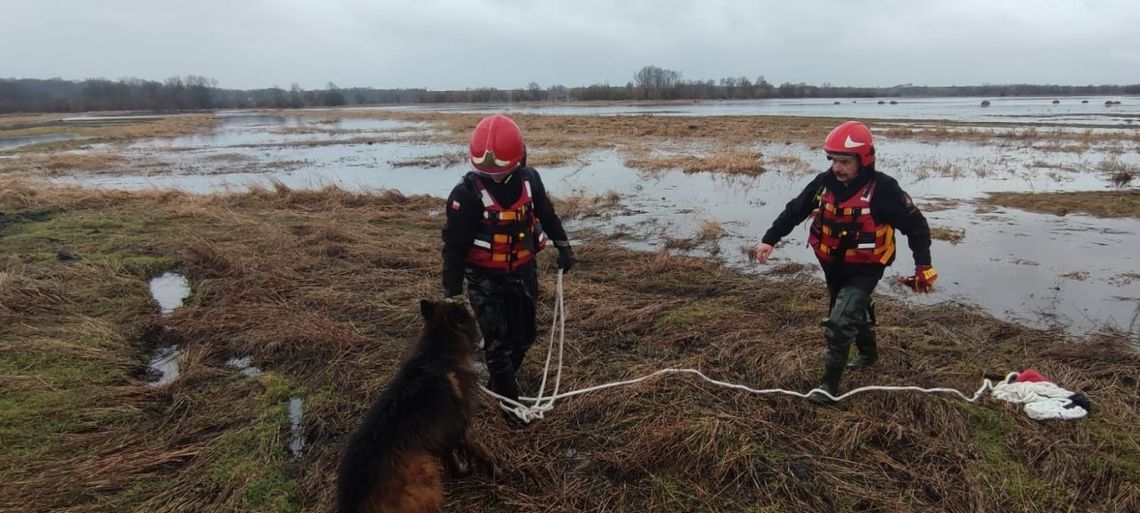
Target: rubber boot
{"points": [[507, 386], [513, 422], [829, 384], [868, 351]]}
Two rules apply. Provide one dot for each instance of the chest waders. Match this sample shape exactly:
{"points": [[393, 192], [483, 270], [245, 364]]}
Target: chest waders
{"points": [[851, 316], [504, 306]]}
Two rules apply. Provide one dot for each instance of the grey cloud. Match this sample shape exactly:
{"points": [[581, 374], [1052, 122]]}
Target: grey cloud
{"points": [[442, 44]]}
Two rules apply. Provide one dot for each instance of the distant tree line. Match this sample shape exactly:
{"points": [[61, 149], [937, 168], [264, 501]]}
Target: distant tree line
{"points": [[649, 83], [174, 94]]}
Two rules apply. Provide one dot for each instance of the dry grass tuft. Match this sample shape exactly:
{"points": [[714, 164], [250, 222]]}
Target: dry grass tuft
{"points": [[1100, 204], [726, 160], [951, 235], [707, 235], [579, 205], [441, 160], [710, 229], [1122, 178], [170, 126]]}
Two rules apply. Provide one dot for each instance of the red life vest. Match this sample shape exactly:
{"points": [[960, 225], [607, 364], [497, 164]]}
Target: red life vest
{"points": [[848, 227], [508, 237]]}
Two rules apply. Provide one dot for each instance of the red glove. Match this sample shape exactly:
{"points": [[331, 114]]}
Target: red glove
{"points": [[923, 279]]}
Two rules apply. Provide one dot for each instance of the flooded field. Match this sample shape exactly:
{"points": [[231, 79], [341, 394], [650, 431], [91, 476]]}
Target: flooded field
{"points": [[1074, 272], [1091, 110]]}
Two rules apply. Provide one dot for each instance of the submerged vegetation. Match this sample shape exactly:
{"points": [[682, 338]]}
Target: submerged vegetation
{"points": [[1115, 203], [951, 235], [320, 288], [88, 131]]}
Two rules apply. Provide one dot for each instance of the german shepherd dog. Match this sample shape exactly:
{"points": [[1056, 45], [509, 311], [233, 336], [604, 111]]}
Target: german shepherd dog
{"points": [[394, 461]]}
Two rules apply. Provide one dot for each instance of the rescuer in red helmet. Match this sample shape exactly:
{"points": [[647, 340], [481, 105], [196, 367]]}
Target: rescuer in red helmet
{"points": [[498, 219], [856, 211]]}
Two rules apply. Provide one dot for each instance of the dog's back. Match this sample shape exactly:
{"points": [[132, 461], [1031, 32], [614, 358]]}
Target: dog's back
{"points": [[393, 461]]}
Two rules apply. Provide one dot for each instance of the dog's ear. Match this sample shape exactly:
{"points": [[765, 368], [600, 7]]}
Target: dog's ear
{"points": [[426, 308]]}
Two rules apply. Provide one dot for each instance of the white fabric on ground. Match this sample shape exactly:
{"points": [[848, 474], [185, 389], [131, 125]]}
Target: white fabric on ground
{"points": [[1043, 400]]}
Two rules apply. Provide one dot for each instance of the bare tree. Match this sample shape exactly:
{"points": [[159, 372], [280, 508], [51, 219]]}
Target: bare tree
{"points": [[656, 83]]}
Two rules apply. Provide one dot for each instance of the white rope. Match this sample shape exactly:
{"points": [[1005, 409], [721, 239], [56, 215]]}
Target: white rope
{"points": [[543, 403]]}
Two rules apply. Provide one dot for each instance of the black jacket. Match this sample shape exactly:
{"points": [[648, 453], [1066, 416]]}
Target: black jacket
{"points": [[465, 213], [889, 205]]}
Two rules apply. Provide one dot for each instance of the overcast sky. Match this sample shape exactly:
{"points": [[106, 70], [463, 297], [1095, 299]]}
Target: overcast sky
{"points": [[458, 44]]}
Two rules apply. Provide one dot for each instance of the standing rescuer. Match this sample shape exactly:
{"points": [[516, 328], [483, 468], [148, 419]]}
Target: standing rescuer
{"points": [[498, 219], [855, 212]]}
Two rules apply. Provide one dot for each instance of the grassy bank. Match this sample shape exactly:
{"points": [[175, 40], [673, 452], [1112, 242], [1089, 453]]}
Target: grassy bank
{"points": [[1125, 203], [320, 289]]}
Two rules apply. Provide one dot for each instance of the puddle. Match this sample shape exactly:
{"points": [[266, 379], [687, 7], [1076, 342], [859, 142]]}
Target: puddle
{"points": [[984, 269], [168, 290], [164, 366], [244, 365], [297, 439]]}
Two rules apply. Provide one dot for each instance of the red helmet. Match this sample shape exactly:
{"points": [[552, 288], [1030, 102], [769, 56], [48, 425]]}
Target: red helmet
{"points": [[496, 145], [851, 138]]}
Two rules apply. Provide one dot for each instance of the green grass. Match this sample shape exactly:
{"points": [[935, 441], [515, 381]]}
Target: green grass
{"points": [[688, 316], [993, 431], [58, 390], [1119, 453], [247, 462]]}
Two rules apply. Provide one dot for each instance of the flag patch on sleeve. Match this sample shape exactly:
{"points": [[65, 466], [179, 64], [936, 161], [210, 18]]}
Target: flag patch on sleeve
{"points": [[454, 205]]}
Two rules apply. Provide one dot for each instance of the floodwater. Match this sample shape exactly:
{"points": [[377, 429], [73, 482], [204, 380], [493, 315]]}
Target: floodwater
{"points": [[1073, 272], [1077, 110], [12, 143]]}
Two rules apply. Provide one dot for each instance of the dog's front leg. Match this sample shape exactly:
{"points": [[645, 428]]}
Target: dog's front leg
{"points": [[479, 455], [456, 463]]}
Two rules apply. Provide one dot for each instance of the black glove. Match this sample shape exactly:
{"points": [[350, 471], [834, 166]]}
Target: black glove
{"points": [[565, 258]]}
